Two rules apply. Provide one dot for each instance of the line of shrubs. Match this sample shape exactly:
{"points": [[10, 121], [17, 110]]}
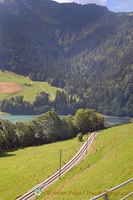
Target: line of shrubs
{"points": [[47, 128]]}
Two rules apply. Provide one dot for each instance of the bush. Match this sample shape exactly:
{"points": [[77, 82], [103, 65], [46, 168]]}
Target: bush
{"points": [[80, 137], [131, 120]]}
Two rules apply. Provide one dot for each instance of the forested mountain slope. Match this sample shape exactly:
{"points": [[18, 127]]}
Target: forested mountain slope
{"points": [[85, 49]]}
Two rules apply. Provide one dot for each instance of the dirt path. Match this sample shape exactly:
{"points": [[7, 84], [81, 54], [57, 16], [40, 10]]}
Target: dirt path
{"points": [[9, 87]]}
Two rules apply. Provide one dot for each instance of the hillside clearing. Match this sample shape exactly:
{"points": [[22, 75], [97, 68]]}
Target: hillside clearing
{"points": [[10, 87], [12, 84]]}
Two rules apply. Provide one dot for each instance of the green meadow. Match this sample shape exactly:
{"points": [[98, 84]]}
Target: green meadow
{"points": [[108, 163], [18, 168], [29, 92]]}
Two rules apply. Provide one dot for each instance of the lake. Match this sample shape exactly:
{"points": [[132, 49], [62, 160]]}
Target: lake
{"points": [[114, 120], [15, 118]]}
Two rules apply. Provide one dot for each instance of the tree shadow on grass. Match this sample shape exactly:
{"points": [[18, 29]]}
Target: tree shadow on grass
{"points": [[7, 153]]}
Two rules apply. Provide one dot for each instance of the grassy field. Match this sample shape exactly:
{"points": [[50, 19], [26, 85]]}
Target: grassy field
{"points": [[3, 113], [108, 163], [29, 93], [18, 168]]}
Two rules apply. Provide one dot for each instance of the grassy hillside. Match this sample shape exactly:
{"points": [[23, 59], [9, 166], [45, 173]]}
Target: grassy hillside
{"points": [[18, 168], [108, 163], [3, 113], [29, 92]]}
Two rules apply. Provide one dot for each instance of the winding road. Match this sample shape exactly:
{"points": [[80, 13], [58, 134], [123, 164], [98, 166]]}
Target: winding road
{"points": [[43, 185]]}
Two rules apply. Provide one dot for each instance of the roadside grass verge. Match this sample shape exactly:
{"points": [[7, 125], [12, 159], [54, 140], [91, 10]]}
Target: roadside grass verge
{"points": [[108, 163], [18, 168]]}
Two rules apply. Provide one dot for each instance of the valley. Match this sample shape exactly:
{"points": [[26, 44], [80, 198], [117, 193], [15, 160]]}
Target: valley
{"points": [[84, 49], [66, 72]]}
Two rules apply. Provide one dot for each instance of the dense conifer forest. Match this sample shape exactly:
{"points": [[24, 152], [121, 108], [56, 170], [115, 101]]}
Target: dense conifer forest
{"points": [[85, 49]]}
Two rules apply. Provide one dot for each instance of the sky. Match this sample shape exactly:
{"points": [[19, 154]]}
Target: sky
{"points": [[113, 5]]}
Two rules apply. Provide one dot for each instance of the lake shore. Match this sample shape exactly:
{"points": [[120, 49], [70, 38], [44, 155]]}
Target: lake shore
{"points": [[15, 118], [4, 114]]}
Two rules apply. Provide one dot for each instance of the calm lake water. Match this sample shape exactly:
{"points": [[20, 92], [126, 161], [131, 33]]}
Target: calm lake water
{"points": [[15, 118], [114, 120]]}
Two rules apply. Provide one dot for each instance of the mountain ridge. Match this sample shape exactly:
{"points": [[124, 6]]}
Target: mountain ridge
{"points": [[85, 49]]}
